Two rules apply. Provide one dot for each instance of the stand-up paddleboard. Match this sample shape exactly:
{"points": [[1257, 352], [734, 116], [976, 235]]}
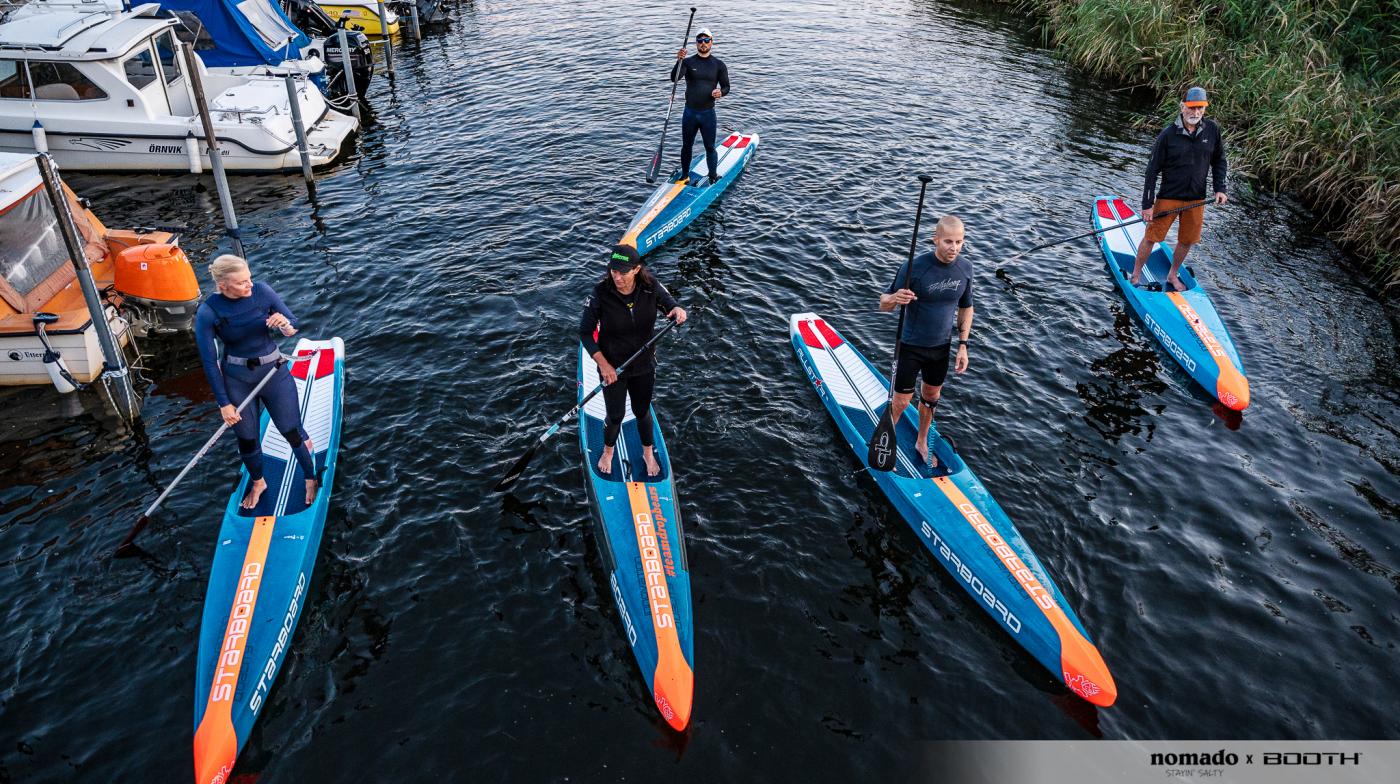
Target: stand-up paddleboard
{"points": [[673, 205], [644, 546], [954, 515], [262, 570], [1184, 322]]}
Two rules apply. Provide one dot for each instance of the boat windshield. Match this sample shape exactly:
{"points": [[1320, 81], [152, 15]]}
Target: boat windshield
{"points": [[31, 249]]}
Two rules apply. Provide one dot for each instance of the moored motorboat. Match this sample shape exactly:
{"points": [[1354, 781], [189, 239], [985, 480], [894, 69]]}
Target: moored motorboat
{"points": [[108, 91], [46, 328]]}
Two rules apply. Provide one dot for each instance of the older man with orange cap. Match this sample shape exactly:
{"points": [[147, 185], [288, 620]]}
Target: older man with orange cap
{"points": [[1181, 156]]}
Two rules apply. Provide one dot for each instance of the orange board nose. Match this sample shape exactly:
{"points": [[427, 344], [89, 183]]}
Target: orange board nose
{"points": [[1085, 672], [1232, 389], [673, 690], [215, 747]]}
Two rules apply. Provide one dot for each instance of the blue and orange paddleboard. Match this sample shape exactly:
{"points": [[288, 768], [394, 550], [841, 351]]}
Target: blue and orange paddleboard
{"points": [[1183, 322], [673, 205], [262, 571], [954, 515], [639, 520]]}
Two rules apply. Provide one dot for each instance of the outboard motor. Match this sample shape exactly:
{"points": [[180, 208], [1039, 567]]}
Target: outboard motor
{"points": [[158, 287], [53, 361], [317, 24]]}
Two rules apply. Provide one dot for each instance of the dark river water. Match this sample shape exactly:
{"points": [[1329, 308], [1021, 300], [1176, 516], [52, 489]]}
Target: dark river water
{"points": [[1241, 583]]}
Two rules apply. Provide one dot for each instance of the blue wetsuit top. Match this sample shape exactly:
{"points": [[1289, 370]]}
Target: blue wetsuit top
{"points": [[942, 289], [241, 325]]}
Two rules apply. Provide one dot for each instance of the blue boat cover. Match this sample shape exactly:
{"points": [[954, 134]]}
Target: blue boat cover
{"points": [[231, 33]]}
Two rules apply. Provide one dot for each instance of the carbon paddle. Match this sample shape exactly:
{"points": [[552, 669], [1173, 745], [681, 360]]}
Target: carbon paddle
{"points": [[883, 449], [1137, 219], [125, 547], [661, 146], [518, 467]]}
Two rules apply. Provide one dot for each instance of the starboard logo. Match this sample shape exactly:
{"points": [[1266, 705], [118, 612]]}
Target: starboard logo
{"points": [[283, 637], [622, 608], [1172, 347], [974, 583], [668, 226]]}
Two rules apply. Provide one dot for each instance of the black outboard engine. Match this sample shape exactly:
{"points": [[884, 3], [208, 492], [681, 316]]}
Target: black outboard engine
{"points": [[317, 24]]}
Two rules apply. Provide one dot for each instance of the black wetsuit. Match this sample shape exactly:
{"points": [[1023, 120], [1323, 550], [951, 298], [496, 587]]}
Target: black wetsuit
{"points": [[625, 324], [702, 76]]}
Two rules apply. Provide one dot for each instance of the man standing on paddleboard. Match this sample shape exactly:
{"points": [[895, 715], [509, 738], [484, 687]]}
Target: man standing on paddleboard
{"points": [[706, 79], [1181, 156], [938, 291]]}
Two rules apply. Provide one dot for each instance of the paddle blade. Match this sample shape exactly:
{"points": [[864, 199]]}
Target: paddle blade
{"points": [[516, 469], [126, 548], [655, 164], [881, 455]]}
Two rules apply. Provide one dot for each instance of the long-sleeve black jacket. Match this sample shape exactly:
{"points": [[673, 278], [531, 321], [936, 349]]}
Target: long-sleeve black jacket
{"points": [[624, 323], [702, 76], [1182, 159]]}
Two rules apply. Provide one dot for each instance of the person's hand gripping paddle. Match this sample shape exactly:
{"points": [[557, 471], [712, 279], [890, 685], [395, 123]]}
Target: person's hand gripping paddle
{"points": [[883, 448]]}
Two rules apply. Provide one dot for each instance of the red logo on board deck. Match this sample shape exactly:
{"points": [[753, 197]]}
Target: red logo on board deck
{"points": [[325, 363]]}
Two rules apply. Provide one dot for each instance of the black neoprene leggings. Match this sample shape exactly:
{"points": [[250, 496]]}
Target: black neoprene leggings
{"points": [[615, 395]]}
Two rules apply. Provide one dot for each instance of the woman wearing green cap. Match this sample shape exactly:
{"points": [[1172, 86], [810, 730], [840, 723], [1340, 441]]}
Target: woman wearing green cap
{"points": [[1181, 156], [618, 320]]}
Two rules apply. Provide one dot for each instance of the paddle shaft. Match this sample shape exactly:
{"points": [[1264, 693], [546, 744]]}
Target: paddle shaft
{"points": [[883, 452], [1136, 219], [519, 467], [660, 147], [913, 246]]}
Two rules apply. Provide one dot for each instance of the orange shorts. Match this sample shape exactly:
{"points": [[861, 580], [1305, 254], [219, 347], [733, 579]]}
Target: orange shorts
{"points": [[1189, 232]]}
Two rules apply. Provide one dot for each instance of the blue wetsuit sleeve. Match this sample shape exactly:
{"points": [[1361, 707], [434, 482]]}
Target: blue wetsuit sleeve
{"points": [[587, 324], [209, 352], [1154, 169], [965, 301], [723, 79], [276, 305], [1219, 167]]}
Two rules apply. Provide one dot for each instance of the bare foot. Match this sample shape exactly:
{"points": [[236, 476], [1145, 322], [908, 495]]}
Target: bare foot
{"points": [[311, 487], [921, 448], [1134, 280], [653, 467], [1175, 283], [605, 462], [255, 491]]}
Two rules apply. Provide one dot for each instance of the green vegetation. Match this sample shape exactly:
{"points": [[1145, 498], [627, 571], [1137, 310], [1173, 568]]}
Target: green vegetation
{"points": [[1308, 92]]}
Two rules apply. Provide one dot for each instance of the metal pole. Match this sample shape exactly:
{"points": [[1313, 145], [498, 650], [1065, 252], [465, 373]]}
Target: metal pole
{"points": [[413, 20], [344, 41], [300, 128], [216, 161], [388, 40], [114, 364]]}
